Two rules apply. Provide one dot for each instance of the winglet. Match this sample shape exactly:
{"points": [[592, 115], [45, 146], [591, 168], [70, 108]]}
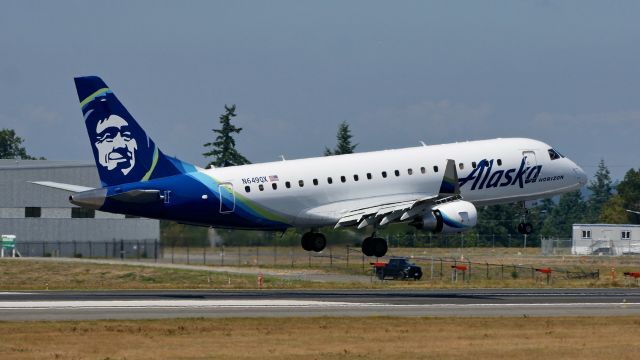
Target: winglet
{"points": [[450, 184]]}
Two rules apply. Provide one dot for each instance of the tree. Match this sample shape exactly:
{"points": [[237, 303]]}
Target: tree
{"points": [[601, 192], [569, 210], [629, 190], [613, 211], [11, 146], [344, 141], [223, 149]]}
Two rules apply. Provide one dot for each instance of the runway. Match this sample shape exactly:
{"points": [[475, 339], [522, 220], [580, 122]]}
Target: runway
{"points": [[143, 304]]}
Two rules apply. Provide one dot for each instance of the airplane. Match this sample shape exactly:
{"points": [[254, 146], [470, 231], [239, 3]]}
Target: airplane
{"points": [[434, 188]]}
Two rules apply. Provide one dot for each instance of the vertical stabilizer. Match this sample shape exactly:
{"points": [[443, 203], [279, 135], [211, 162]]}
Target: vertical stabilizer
{"points": [[122, 150], [450, 184]]}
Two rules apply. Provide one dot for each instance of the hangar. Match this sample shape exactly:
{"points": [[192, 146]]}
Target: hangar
{"points": [[605, 239], [37, 214]]}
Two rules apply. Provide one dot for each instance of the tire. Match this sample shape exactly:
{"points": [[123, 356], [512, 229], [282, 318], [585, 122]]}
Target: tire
{"points": [[318, 242], [367, 246], [380, 247], [306, 241], [521, 228]]}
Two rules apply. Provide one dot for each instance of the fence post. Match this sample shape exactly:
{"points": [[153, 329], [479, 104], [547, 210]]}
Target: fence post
{"points": [[533, 273], [501, 272], [469, 269], [257, 255], [330, 257], [138, 249], [155, 250], [121, 249], [347, 256], [187, 253], [239, 255], [222, 256], [487, 265], [441, 274], [173, 250], [75, 248], [90, 249], [204, 255], [106, 249]]}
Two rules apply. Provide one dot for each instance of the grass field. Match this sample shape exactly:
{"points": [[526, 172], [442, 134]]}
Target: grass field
{"points": [[28, 274], [49, 275], [326, 338]]}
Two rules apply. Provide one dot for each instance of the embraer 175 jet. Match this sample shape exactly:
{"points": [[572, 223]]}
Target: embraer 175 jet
{"points": [[434, 188]]}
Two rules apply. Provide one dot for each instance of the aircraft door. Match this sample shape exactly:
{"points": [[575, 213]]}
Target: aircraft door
{"points": [[227, 198], [531, 158]]}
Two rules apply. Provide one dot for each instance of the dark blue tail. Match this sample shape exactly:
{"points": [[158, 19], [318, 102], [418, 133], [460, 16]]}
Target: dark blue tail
{"points": [[122, 150]]}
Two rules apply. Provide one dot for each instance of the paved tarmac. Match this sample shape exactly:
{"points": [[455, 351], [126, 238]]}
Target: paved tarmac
{"points": [[89, 305]]}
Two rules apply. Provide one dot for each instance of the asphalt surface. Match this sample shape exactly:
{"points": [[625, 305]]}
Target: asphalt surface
{"points": [[89, 305]]}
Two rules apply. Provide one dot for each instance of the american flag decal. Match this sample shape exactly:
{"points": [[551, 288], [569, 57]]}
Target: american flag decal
{"points": [[273, 177]]}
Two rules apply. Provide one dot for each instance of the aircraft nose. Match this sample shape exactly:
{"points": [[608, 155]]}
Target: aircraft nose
{"points": [[580, 175]]}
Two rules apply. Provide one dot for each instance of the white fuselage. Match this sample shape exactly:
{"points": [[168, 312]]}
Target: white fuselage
{"points": [[320, 203]]}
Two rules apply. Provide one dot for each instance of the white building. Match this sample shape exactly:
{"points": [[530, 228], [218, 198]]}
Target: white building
{"points": [[605, 239], [43, 216]]}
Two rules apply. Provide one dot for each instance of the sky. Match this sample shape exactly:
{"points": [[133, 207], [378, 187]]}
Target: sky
{"points": [[399, 72]]}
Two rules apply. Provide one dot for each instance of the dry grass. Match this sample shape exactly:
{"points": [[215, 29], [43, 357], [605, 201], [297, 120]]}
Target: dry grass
{"points": [[326, 338], [49, 275]]}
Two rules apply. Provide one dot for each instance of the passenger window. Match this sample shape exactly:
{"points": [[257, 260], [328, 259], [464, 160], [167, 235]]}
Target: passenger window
{"points": [[315, 182], [473, 164], [261, 187], [329, 180], [368, 176], [397, 172], [384, 174], [287, 184], [435, 169], [355, 177], [423, 170], [301, 183], [499, 162], [461, 166], [343, 179], [410, 171], [274, 186], [247, 188]]}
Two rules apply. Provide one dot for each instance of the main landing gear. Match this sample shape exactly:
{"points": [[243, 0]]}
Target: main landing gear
{"points": [[374, 246], [313, 241], [371, 246]]}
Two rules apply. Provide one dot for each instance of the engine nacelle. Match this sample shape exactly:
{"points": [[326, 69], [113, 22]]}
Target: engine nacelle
{"points": [[451, 217]]}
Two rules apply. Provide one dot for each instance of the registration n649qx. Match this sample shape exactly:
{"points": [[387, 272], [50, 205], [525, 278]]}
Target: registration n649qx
{"points": [[434, 188]]}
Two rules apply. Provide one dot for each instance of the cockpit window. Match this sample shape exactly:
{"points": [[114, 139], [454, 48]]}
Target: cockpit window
{"points": [[554, 155]]}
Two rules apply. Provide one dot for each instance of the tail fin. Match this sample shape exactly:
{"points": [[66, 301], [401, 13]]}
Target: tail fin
{"points": [[122, 150]]}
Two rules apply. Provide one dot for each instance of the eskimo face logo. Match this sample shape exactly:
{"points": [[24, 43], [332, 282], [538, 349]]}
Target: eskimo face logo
{"points": [[115, 144]]}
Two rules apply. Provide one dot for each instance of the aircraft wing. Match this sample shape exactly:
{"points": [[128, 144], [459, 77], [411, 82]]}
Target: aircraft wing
{"points": [[386, 211], [62, 186]]}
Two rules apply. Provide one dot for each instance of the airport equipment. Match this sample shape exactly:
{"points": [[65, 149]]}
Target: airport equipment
{"points": [[9, 246], [397, 269]]}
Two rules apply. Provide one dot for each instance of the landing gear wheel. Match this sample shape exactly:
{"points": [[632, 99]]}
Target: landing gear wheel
{"points": [[525, 228], [306, 240], [367, 246], [313, 241], [379, 247]]}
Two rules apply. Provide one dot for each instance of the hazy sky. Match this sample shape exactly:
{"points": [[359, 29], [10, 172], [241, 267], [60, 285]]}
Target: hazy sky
{"points": [[564, 72]]}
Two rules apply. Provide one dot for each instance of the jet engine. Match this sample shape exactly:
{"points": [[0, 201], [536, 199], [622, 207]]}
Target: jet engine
{"points": [[450, 217]]}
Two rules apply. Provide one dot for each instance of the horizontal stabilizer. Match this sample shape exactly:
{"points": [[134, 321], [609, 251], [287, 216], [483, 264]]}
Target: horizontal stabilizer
{"points": [[61, 186]]}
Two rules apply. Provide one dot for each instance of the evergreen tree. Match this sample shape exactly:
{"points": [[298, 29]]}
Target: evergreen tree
{"points": [[629, 191], [223, 149], [569, 210], [601, 192], [11, 146], [344, 145], [613, 211]]}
